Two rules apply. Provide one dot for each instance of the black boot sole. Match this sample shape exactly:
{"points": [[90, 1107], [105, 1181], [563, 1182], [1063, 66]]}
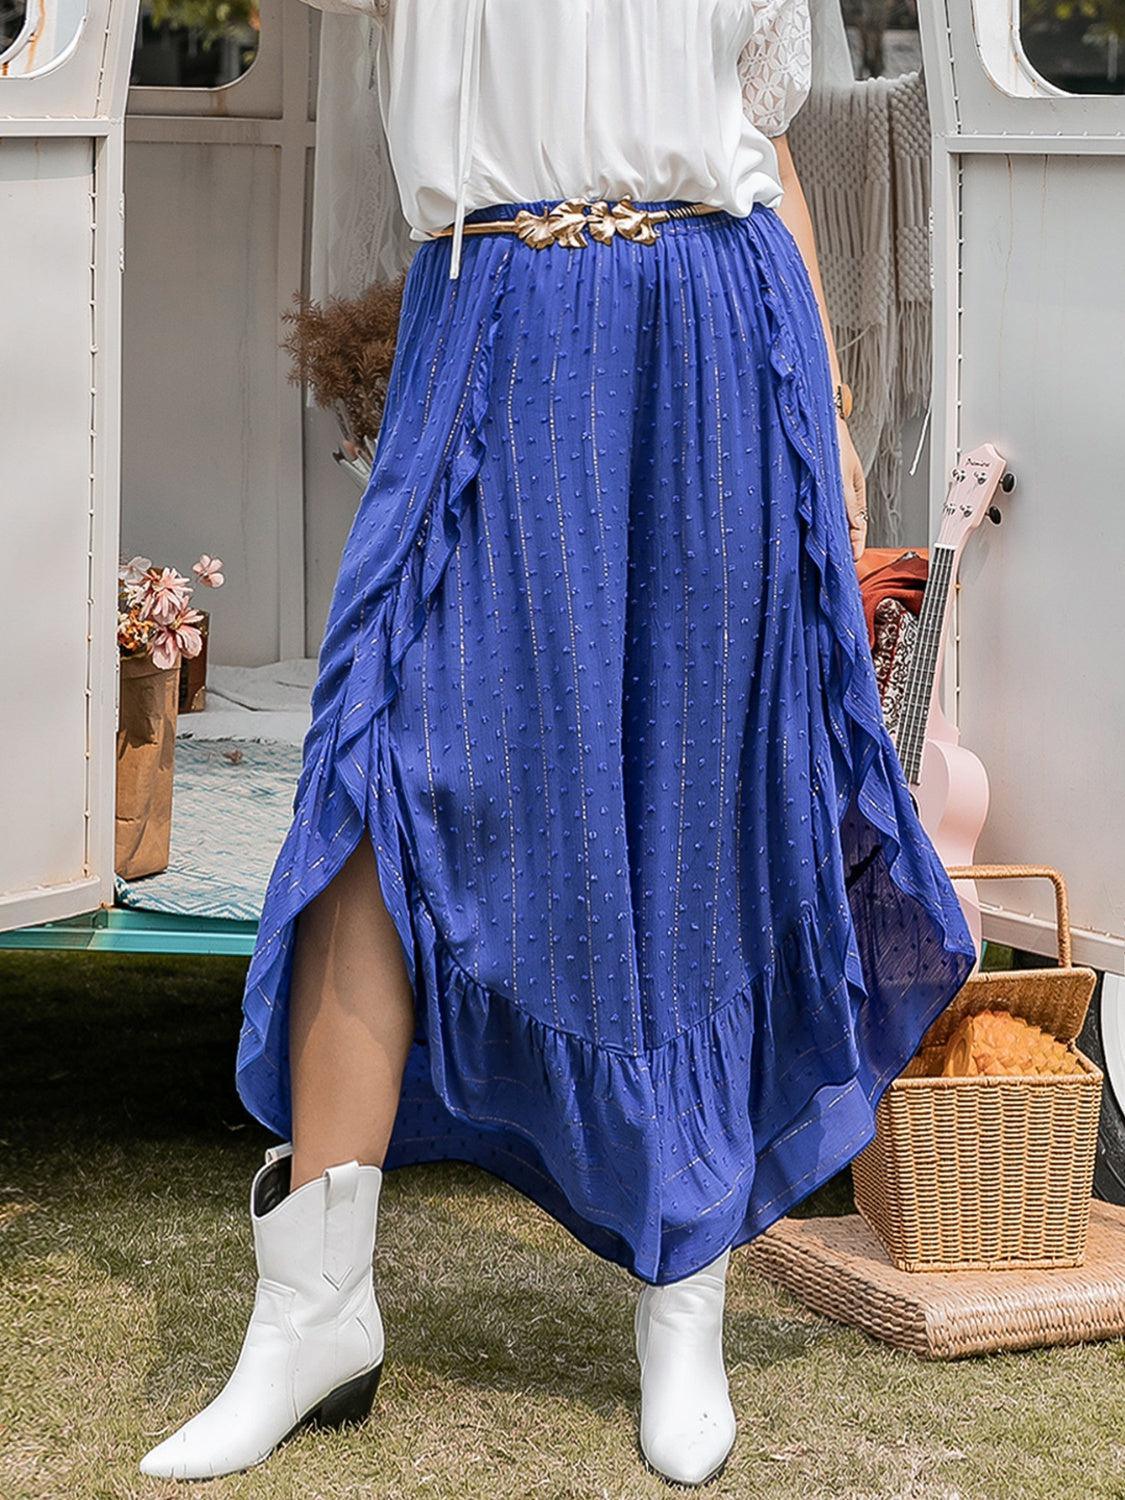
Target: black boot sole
{"points": [[346, 1405]]}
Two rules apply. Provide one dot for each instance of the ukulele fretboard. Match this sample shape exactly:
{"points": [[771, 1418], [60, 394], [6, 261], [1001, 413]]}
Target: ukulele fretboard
{"points": [[910, 733]]}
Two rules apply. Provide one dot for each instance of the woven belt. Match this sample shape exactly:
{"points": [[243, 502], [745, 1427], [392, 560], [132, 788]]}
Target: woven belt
{"points": [[568, 223]]}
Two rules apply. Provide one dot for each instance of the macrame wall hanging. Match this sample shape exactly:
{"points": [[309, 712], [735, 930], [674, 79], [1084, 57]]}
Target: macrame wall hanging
{"points": [[862, 152]]}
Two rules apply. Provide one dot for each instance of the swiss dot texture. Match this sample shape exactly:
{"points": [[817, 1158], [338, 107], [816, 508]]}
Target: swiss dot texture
{"points": [[596, 680]]}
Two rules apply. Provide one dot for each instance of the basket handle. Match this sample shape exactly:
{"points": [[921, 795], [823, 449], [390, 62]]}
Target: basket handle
{"points": [[1019, 872]]}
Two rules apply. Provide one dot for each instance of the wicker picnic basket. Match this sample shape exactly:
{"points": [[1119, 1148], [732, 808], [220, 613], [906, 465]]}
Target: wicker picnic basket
{"points": [[985, 1173]]}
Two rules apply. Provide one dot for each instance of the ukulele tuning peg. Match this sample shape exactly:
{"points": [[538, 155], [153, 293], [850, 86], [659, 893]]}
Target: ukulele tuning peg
{"points": [[994, 514], [1008, 482]]}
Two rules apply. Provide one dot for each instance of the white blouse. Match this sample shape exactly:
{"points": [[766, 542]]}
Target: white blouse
{"points": [[513, 101]]}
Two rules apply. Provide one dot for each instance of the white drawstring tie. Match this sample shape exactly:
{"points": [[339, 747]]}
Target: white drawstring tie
{"points": [[466, 120]]}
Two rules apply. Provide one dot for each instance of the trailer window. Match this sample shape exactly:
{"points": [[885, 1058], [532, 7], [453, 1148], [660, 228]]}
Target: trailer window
{"points": [[1078, 45], [194, 44], [12, 13]]}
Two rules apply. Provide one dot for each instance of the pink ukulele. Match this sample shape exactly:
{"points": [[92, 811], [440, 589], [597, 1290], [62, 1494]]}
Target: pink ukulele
{"points": [[948, 783]]}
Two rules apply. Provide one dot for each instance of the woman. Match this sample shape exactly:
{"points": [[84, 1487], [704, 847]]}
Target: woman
{"points": [[603, 873]]}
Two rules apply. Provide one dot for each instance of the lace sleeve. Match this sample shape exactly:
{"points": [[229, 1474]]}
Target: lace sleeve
{"points": [[776, 65], [376, 8]]}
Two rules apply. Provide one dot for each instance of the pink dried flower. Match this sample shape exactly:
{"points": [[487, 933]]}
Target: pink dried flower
{"points": [[209, 571], [154, 615], [166, 594], [177, 638], [132, 573]]}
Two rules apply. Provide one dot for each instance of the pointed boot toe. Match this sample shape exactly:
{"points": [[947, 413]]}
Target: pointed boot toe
{"points": [[694, 1454], [180, 1456]]}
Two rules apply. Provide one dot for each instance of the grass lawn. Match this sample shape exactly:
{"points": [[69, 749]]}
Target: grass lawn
{"points": [[126, 1272]]}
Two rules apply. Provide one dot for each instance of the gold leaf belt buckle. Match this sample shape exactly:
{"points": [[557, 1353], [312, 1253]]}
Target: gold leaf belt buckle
{"points": [[568, 223]]}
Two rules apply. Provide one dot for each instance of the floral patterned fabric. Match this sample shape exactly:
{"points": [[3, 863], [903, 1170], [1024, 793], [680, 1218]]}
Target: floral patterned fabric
{"points": [[896, 632], [775, 66]]}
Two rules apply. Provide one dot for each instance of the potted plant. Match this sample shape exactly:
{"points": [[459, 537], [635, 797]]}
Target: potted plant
{"points": [[157, 628]]}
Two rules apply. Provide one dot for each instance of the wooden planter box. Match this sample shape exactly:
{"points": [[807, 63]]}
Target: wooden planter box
{"points": [[193, 674]]}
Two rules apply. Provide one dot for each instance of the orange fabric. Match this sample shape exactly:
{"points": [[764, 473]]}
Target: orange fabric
{"points": [[891, 572]]}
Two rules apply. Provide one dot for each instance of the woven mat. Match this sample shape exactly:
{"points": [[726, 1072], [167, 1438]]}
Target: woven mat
{"points": [[232, 803], [839, 1268]]}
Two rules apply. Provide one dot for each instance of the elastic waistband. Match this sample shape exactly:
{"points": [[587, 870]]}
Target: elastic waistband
{"points": [[576, 223], [545, 205]]}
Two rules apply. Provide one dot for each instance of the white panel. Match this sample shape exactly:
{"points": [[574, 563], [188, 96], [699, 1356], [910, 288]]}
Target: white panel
{"points": [[60, 229], [333, 498], [998, 91], [1042, 610], [201, 386], [255, 94], [45, 485], [914, 488]]}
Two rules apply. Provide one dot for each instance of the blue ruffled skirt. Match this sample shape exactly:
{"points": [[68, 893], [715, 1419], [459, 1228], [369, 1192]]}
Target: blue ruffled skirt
{"points": [[596, 682]]}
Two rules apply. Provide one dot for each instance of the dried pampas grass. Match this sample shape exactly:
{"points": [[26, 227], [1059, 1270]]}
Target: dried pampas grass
{"points": [[343, 350]]}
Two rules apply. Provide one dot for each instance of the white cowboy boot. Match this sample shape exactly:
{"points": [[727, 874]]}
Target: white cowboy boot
{"points": [[687, 1422], [313, 1350]]}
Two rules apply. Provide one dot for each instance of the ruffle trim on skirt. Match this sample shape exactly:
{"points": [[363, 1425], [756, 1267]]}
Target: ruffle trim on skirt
{"points": [[865, 768], [578, 1127], [398, 618], [337, 792]]}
